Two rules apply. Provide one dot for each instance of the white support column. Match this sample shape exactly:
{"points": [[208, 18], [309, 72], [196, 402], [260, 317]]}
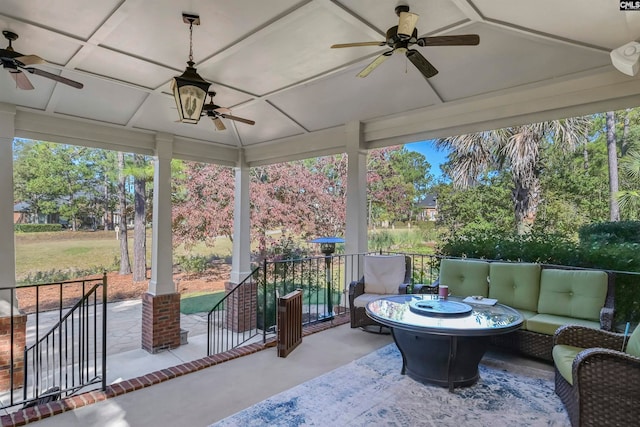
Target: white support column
{"points": [[241, 259], [162, 252], [161, 304], [7, 244], [356, 229]]}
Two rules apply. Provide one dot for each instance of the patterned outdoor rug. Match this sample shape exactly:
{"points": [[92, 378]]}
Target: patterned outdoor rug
{"points": [[371, 392]]}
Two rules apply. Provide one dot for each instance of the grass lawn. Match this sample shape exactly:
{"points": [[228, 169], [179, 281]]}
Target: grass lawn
{"points": [[199, 302], [83, 250]]}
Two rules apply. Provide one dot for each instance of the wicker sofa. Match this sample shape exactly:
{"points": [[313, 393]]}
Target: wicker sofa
{"points": [[546, 296], [383, 275]]}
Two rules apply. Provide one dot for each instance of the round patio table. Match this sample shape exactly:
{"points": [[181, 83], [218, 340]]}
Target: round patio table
{"points": [[442, 341]]}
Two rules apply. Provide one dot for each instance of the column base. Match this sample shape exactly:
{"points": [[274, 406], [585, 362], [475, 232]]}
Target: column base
{"points": [[242, 307], [19, 337], [160, 322]]}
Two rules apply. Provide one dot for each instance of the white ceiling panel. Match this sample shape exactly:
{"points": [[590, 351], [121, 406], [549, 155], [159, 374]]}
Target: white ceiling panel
{"points": [[303, 42], [270, 124], [502, 62], [222, 23], [37, 99], [346, 97], [100, 100], [77, 17], [579, 20], [117, 66]]}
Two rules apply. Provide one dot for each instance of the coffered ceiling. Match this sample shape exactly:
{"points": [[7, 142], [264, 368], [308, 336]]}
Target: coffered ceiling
{"points": [[271, 61]]}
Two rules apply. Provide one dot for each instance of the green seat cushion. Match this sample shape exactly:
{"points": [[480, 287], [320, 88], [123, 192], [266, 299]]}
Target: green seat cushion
{"points": [[465, 277], [548, 323], [515, 284], [526, 315], [563, 357], [633, 344], [574, 293]]}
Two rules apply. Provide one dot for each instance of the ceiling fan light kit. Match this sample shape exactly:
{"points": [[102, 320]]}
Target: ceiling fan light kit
{"points": [[404, 35], [189, 89]]}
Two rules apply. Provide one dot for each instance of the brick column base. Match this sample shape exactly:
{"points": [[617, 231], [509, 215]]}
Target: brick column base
{"points": [[160, 322], [19, 329], [241, 307]]}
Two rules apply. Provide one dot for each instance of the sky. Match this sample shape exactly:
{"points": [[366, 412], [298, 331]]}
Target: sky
{"points": [[433, 156]]}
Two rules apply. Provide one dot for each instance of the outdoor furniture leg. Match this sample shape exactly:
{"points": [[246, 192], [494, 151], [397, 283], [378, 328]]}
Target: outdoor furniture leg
{"points": [[453, 348]]}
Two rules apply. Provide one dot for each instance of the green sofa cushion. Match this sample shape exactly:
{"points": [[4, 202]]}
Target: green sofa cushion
{"points": [[548, 323], [575, 293], [526, 315], [563, 357], [515, 284], [633, 344], [465, 277]]}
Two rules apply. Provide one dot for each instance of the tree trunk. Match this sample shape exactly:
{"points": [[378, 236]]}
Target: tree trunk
{"points": [[585, 156], [624, 144], [614, 208], [525, 202], [139, 230], [125, 265]]}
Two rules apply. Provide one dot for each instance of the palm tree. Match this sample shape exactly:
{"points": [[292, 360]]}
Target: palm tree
{"points": [[629, 199], [612, 155], [517, 150]]}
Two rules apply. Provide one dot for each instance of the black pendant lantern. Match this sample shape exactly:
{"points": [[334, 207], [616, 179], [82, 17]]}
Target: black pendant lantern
{"points": [[189, 89]]}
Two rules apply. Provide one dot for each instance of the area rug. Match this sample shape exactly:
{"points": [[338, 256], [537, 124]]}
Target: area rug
{"points": [[371, 392]]}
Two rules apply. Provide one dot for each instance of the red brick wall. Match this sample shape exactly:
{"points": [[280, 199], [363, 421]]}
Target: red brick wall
{"points": [[19, 330], [160, 322], [241, 307]]}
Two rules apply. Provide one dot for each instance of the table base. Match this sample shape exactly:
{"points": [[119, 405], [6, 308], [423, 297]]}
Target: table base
{"points": [[446, 361]]}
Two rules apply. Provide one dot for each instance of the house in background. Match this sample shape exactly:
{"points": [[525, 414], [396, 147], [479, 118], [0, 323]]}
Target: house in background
{"points": [[428, 208], [22, 214]]}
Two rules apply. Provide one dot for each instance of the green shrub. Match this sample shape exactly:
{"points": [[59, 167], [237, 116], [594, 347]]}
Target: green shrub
{"points": [[193, 263], [36, 228], [555, 249], [611, 232]]}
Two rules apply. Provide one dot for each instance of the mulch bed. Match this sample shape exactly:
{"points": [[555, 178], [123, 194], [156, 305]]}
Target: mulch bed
{"points": [[119, 288]]}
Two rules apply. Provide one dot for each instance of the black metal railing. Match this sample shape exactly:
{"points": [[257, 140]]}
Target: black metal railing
{"points": [[248, 312], [65, 343], [232, 322]]}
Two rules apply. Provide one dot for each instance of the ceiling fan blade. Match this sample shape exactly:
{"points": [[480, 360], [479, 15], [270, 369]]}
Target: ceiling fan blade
{"points": [[421, 63], [21, 79], [218, 123], [379, 60], [55, 77], [238, 119], [407, 24], [222, 110], [460, 40], [30, 59], [358, 44]]}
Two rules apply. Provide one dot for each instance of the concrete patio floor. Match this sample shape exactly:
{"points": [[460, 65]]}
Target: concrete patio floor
{"points": [[211, 394], [208, 395]]}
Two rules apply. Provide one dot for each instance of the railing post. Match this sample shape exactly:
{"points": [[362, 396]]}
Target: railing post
{"points": [[264, 301], [104, 331]]}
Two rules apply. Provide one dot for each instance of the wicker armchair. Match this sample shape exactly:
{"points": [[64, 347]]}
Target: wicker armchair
{"points": [[359, 295], [604, 380]]}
